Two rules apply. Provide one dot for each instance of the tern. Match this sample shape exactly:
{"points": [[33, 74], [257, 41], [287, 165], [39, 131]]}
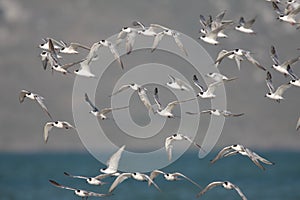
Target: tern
{"points": [[177, 137], [217, 77], [168, 32], [81, 193], [129, 34], [85, 65], [167, 111], [146, 31], [210, 24], [209, 93], [211, 35], [171, 177], [103, 111], [218, 112], [295, 82], [288, 15], [133, 86], [225, 184], [136, 175], [240, 149], [113, 163], [178, 84], [39, 99], [113, 50], [91, 180], [72, 48], [285, 67], [58, 124], [245, 26], [275, 94]]}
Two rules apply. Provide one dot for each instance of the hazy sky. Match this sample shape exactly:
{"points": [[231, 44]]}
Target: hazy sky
{"points": [[266, 124]]}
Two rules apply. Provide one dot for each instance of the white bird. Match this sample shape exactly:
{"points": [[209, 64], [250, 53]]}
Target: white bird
{"points": [[136, 175], [211, 24], [211, 35], [113, 163], [240, 149], [58, 124], [217, 77], [113, 50], [72, 48], [85, 65], [245, 26], [45, 44], [225, 184], [171, 177], [209, 93], [167, 111], [177, 137], [129, 34], [288, 15], [178, 84], [91, 180], [285, 67], [238, 54], [146, 31], [37, 98], [81, 193], [45, 59], [102, 113], [275, 94], [168, 32], [298, 124], [217, 112]]}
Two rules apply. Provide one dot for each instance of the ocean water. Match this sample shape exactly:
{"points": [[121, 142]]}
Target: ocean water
{"points": [[25, 177]]}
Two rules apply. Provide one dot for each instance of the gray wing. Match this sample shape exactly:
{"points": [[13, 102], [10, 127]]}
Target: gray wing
{"points": [[96, 194], [281, 89], [227, 113], [144, 98], [156, 41], [277, 9], [154, 174], [102, 176], [76, 45], [298, 124], [269, 82], [87, 99], [239, 192], [146, 177], [40, 101], [242, 21], [213, 86], [73, 176], [122, 88], [179, 43], [220, 17], [249, 23], [274, 55], [187, 178], [253, 61], [108, 110], [130, 39], [222, 54], [118, 180], [171, 105], [262, 159], [192, 113], [113, 161], [156, 99], [61, 186], [22, 95], [253, 159], [196, 82], [116, 55], [221, 154], [290, 62], [238, 60], [168, 147], [138, 23], [68, 65], [192, 142], [48, 126], [67, 125], [208, 187]]}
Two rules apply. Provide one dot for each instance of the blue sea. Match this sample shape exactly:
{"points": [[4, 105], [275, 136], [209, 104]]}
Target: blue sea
{"points": [[25, 177]]}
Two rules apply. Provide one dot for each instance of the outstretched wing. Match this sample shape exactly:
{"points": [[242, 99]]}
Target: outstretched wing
{"points": [[87, 99], [22, 95], [154, 174], [239, 192], [144, 98], [221, 154], [40, 101], [168, 147], [61, 186], [208, 187], [187, 178], [48, 126], [122, 88], [118, 180], [156, 99], [116, 55], [73, 176], [179, 43], [274, 55], [281, 89], [269, 82], [197, 83], [249, 23], [156, 41], [253, 61], [113, 161]]}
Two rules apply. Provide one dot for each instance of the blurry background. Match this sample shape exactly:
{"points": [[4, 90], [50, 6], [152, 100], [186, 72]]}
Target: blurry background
{"points": [[266, 124]]}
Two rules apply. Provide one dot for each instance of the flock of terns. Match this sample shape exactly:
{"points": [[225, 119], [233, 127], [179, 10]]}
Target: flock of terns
{"points": [[212, 29]]}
